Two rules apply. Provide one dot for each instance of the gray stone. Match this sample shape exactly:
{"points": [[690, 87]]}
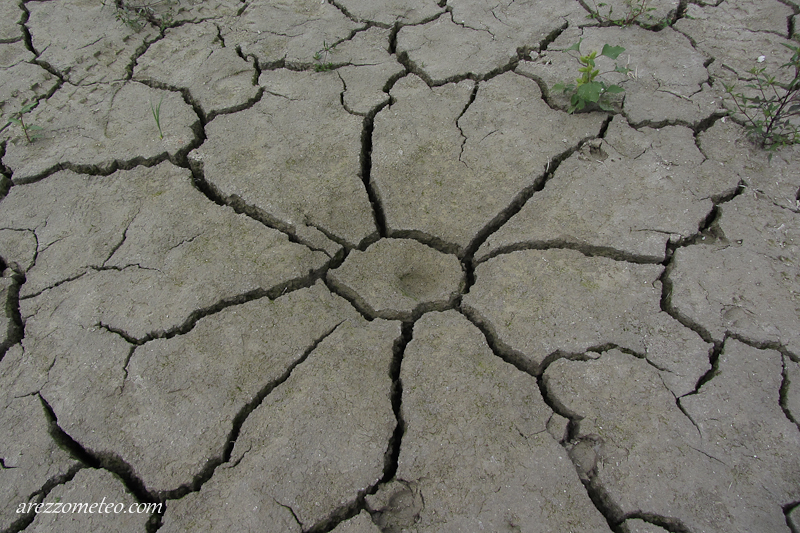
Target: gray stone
{"points": [[476, 443], [83, 41], [90, 486], [660, 87], [540, 303], [30, 457], [398, 279], [629, 195], [10, 16], [101, 126], [651, 458], [362, 523], [216, 77], [480, 37], [287, 31], [166, 409], [746, 283], [464, 165], [313, 445], [299, 163]]}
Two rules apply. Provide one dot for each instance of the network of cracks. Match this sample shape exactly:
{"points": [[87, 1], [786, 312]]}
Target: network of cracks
{"points": [[351, 266]]}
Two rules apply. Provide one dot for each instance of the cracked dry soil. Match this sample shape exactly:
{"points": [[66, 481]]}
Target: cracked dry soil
{"points": [[374, 278]]}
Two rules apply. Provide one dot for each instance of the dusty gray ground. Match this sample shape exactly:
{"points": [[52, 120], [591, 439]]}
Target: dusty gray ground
{"points": [[374, 278]]}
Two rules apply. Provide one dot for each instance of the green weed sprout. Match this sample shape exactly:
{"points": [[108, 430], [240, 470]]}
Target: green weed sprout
{"points": [[635, 9], [768, 114], [322, 57], [136, 17], [587, 90], [157, 115], [27, 128]]}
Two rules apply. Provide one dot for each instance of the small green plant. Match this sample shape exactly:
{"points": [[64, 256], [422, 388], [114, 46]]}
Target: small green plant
{"points": [[27, 128], [323, 65], [157, 115], [634, 10], [587, 91], [136, 17], [768, 114]]}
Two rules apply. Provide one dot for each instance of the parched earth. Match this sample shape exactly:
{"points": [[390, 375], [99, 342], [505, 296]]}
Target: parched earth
{"points": [[374, 278]]}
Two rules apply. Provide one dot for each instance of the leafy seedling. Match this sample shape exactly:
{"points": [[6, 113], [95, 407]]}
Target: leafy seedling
{"points": [[768, 114], [27, 128], [587, 91], [157, 115], [137, 17], [634, 10], [323, 65]]}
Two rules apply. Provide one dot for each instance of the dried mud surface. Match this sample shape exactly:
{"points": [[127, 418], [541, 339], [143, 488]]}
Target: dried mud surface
{"points": [[350, 266]]}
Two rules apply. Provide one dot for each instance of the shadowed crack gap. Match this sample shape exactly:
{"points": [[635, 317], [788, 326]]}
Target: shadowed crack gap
{"points": [[366, 171], [392, 456], [238, 421], [106, 461], [210, 191], [195, 316], [538, 183]]}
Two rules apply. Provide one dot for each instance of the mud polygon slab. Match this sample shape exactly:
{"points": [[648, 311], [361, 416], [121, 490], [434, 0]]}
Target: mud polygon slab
{"points": [[17, 248], [173, 254], [736, 34], [10, 16], [475, 445], [629, 195], [659, 88], [362, 523], [640, 526], [399, 278], [480, 37], [740, 419], [389, 12], [299, 163], [649, 457], [91, 486], [216, 77], [21, 82], [367, 68], [620, 11], [764, 173], [537, 303], [102, 127], [287, 31], [169, 413], [83, 41], [463, 163], [312, 446], [746, 284], [31, 458], [149, 237]]}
